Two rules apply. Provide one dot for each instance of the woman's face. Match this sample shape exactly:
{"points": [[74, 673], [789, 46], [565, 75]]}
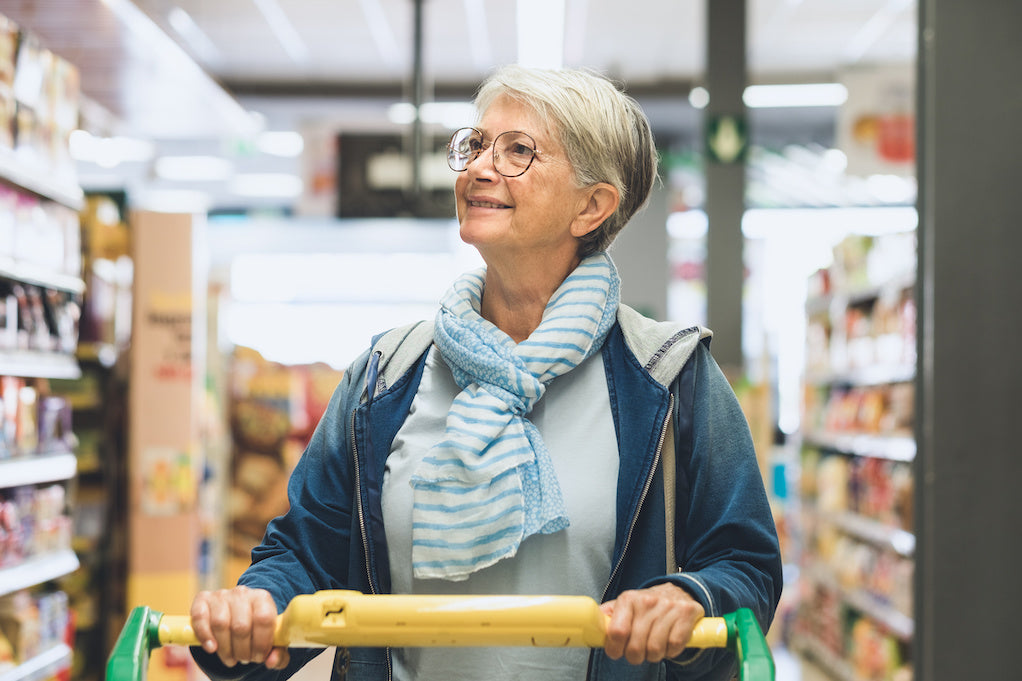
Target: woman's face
{"points": [[530, 215]]}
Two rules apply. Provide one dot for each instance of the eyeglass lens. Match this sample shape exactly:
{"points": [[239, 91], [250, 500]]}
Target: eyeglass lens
{"points": [[513, 151]]}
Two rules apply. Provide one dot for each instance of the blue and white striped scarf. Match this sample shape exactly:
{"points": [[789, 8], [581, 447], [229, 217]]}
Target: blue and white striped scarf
{"points": [[490, 482]]}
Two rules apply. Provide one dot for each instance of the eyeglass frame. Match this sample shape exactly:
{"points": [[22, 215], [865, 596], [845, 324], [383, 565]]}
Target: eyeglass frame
{"points": [[493, 148]]}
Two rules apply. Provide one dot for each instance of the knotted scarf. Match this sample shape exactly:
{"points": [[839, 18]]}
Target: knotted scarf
{"points": [[490, 482]]}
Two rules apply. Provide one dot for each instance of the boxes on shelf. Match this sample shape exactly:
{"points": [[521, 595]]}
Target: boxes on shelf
{"points": [[37, 318], [31, 624], [33, 522], [46, 91], [31, 424]]}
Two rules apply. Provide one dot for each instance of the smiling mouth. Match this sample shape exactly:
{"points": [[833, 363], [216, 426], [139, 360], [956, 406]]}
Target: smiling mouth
{"points": [[485, 204]]}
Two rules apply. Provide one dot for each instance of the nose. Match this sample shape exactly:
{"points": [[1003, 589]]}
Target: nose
{"points": [[485, 163]]}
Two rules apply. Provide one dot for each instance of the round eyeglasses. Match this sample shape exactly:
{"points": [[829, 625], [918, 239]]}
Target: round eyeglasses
{"points": [[513, 151]]}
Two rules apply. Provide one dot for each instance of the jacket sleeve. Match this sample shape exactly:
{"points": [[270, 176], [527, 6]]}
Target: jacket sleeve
{"points": [[731, 557], [306, 549]]}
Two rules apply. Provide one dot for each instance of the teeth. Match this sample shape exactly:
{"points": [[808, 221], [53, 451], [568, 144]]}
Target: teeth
{"points": [[485, 204]]}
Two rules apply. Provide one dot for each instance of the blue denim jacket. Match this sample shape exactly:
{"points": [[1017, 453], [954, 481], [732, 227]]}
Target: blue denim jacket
{"points": [[725, 542]]}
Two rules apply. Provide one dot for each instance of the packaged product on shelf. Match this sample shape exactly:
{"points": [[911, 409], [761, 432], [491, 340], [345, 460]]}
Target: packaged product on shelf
{"points": [[18, 524], [30, 70], [874, 653], [70, 227], [7, 660], [27, 134], [10, 532], [8, 105], [9, 387], [26, 439], [40, 233], [33, 624], [8, 112], [40, 337], [8, 52], [8, 220], [63, 95], [50, 236], [55, 434], [33, 521], [8, 317], [52, 524], [19, 620], [833, 484]]}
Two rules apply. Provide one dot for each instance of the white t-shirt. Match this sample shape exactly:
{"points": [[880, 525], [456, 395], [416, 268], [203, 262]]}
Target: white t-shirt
{"points": [[575, 421]]}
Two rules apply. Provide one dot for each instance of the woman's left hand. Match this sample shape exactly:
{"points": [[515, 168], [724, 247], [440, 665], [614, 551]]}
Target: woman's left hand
{"points": [[650, 625]]}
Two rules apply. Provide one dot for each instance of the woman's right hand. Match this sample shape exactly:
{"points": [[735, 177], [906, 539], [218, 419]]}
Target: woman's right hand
{"points": [[238, 625]]}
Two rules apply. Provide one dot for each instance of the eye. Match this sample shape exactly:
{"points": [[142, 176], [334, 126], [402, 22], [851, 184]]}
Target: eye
{"points": [[519, 150]]}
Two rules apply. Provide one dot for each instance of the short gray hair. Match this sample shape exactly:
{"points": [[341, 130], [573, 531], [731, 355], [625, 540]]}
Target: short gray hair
{"points": [[604, 132]]}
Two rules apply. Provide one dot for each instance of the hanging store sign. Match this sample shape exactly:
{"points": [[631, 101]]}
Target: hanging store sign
{"points": [[727, 139]]}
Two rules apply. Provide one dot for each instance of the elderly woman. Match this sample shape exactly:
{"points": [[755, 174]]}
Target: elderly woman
{"points": [[537, 437]]}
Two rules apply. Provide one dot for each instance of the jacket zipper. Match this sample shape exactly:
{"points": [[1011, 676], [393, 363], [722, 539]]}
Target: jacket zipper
{"points": [[361, 516], [642, 500], [358, 502]]}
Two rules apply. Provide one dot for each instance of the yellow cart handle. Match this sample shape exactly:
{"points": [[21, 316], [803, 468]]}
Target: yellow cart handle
{"points": [[348, 618]]}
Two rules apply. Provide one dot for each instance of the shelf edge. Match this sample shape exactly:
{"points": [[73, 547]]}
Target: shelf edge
{"points": [[37, 469], [58, 656], [37, 570]]}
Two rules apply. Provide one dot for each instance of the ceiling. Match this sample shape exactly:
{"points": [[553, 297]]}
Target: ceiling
{"points": [[138, 60], [189, 74]]}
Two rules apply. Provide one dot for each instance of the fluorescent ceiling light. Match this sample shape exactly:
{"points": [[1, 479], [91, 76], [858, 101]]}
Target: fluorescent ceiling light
{"points": [[759, 223], [687, 224], [284, 143], [109, 152], [451, 115], [182, 22], [387, 47], [284, 30], [799, 95], [540, 25], [699, 97], [267, 185], [172, 200], [193, 168]]}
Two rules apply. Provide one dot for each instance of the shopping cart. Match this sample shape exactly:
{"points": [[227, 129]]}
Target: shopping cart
{"points": [[349, 618]]}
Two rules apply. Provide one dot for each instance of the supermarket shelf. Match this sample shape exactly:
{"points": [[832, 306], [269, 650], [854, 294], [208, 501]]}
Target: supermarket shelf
{"points": [[877, 533], [40, 276], [38, 181], [37, 469], [41, 666], [36, 364], [893, 448], [895, 285], [833, 665], [896, 622], [821, 303], [37, 570], [880, 374]]}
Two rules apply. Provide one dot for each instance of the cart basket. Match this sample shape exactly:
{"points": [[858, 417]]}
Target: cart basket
{"points": [[349, 618]]}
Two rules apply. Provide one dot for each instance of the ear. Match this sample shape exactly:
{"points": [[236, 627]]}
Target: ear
{"points": [[600, 202]]}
